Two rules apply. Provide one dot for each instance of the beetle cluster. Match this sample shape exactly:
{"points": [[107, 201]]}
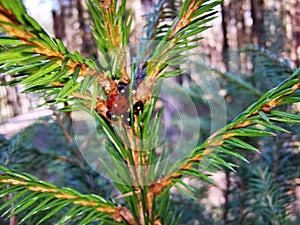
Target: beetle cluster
{"points": [[118, 106]]}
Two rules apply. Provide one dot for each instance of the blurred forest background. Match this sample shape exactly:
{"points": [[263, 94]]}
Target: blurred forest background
{"points": [[252, 46]]}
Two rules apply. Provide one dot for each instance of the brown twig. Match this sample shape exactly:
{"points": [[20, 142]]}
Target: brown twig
{"points": [[64, 130], [87, 141], [12, 220]]}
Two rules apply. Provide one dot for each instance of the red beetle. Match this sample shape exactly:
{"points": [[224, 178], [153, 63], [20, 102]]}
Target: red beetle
{"points": [[118, 105]]}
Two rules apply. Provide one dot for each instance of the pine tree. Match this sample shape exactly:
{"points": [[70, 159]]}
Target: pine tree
{"points": [[123, 103]]}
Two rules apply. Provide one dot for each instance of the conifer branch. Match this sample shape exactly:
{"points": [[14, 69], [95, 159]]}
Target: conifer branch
{"points": [[176, 42], [27, 183], [41, 62], [40, 43], [48, 54], [12, 26], [112, 26], [112, 31], [185, 18], [259, 113], [156, 21], [193, 15], [238, 81]]}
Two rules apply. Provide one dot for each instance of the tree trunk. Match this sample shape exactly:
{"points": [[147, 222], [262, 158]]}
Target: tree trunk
{"points": [[71, 24], [12, 102], [257, 14], [225, 38], [295, 48]]}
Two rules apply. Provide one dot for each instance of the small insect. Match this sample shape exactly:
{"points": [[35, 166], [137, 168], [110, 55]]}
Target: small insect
{"points": [[118, 105], [140, 76], [126, 119], [122, 88], [138, 79], [138, 107]]}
